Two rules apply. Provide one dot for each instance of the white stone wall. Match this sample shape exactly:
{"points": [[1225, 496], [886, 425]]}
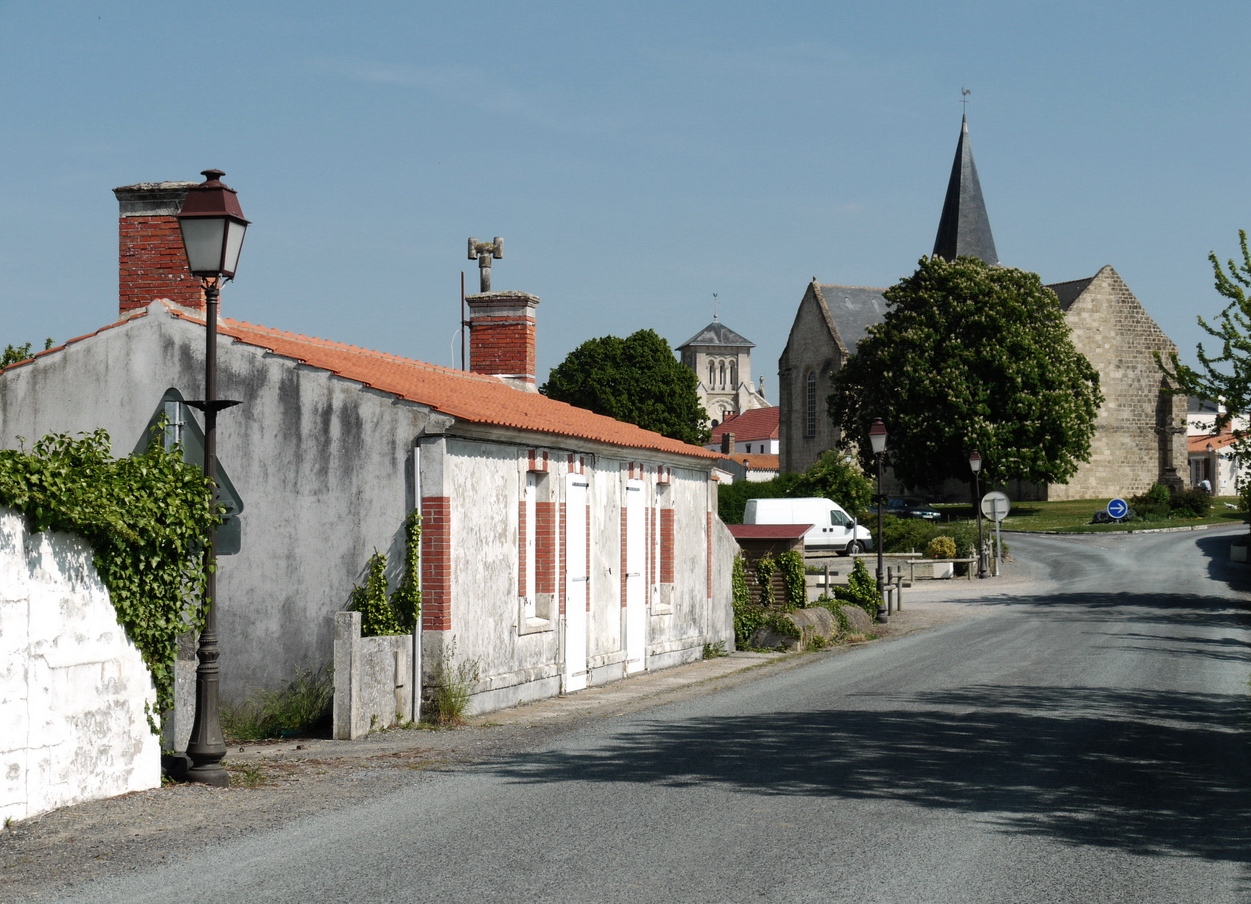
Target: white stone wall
{"points": [[72, 687]]}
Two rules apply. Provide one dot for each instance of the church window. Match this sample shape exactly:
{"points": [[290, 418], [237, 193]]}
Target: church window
{"points": [[733, 374], [810, 428], [723, 375], [712, 374]]}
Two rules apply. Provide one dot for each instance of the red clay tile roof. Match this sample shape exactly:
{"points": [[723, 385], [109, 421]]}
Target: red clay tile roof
{"points": [[1198, 444], [754, 461], [474, 398], [768, 531], [756, 424]]}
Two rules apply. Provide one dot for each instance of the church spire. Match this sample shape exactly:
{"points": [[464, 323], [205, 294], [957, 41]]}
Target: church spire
{"points": [[964, 228]]}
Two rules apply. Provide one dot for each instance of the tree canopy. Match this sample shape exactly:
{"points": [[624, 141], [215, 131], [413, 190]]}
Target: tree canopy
{"points": [[1224, 376], [970, 356], [637, 380]]}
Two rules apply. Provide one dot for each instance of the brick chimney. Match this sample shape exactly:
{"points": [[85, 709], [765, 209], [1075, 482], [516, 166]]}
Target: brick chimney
{"points": [[501, 336], [151, 261], [727, 443]]}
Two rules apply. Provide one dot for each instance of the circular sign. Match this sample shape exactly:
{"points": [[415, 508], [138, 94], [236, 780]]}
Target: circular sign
{"points": [[995, 506], [1118, 509]]}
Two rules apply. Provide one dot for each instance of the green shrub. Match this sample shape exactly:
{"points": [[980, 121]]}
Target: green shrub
{"points": [[941, 547], [861, 589], [1191, 503], [914, 535], [766, 566], [452, 685]]}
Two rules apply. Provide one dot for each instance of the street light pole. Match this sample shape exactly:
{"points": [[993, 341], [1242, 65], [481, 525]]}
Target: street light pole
{"points": [[877, 439], [213, 227], [975, 464]]}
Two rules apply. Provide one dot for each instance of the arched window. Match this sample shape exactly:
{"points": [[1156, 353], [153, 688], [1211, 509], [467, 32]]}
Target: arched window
{"points": [[712, 374], [811, 427], [723, 375], [733, 374]]}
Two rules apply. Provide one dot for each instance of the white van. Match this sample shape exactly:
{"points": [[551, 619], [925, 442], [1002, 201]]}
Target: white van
{"points": [[832, 528]]}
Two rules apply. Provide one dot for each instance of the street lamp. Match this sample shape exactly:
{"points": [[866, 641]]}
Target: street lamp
{"points": [[212, 226], [877, 439], [975, 464]]}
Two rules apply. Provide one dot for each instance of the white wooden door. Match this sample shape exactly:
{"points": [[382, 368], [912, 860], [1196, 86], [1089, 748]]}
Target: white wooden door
{"points": [[635, 580], [576, 579]]}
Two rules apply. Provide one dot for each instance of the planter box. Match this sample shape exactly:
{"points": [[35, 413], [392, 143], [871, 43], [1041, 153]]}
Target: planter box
{"points": [[944, 570]]}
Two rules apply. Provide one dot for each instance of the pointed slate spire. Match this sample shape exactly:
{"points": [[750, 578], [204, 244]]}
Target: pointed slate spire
{"points": [[964, 228]]}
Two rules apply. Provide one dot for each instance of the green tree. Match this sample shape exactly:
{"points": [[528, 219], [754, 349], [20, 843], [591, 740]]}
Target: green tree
{"points": [[637, 380], [1226, 375], [970, 356], [14, 353]]}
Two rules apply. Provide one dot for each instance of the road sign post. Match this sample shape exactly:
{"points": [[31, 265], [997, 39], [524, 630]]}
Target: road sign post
{"points": [[995, 506]]}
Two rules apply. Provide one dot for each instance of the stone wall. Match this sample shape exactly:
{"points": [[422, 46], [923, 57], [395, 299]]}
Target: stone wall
{"points": [[373, 679], [1140, 433], [810, 349], [72, 686]]}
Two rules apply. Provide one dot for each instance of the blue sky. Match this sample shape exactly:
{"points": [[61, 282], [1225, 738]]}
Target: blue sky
{"points": [[636, 158]]}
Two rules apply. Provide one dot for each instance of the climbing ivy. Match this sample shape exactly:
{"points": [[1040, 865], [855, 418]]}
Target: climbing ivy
{"points": [[766, 566], [791, 564], [397, 614], [146, 518]]}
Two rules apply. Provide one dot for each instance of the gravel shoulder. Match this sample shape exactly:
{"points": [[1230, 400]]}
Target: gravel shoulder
{"points": [[275, 783]]}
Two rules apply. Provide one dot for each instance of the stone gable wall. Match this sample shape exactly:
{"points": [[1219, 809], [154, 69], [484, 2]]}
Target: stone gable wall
{"points": [[809, 348], [1140, 432]]}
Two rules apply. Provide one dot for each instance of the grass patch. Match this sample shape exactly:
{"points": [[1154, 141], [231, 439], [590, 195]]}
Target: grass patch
{"points": [[304, 708], [453, 685], [245, 776], [1073, 516]]}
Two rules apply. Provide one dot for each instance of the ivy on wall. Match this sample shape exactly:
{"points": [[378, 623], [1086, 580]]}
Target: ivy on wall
{"points": [[146, 518], [383, 615]]}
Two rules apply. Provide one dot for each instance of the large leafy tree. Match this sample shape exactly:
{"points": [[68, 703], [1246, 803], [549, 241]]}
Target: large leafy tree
{"points": [[636, 379], [1226, 374], [971, 356]]}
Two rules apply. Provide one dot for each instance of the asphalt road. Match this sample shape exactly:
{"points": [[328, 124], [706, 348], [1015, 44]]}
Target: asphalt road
{"points": [[1086, 742]]}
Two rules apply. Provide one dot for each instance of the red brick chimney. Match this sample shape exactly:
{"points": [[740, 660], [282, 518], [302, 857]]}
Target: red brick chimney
{"points": [[151, 261], [502, 336]]}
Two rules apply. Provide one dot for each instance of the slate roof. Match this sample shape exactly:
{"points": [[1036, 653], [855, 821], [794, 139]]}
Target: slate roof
{"points": [[717, 333], [964, 227], [468, 397], [1069, 292], [853, 309]]}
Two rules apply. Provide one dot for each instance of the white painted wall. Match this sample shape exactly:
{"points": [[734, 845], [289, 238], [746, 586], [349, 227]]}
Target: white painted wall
{"points": [[72, 687]]}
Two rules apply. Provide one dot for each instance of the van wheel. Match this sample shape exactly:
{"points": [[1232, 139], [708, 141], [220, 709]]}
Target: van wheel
{"points": [[853, 547]]}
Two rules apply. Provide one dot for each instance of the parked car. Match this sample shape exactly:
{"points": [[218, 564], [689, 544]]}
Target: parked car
{"points": [[911, 507]]}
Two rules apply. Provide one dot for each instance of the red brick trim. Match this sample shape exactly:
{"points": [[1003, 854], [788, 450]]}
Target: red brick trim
{"points": [[666, 546], [622, 582], [545, 564], [708, 552], [436, 564]]}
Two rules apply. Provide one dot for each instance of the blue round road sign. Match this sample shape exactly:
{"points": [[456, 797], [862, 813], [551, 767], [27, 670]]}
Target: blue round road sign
{"points": [[1118, 509]]}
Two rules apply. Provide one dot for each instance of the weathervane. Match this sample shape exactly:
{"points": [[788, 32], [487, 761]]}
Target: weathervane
{"points": [[715, 309], [964, 100], [482, 252]]}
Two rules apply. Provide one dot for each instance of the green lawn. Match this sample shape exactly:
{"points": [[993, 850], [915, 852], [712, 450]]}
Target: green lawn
{"points": [[1074, 516]]}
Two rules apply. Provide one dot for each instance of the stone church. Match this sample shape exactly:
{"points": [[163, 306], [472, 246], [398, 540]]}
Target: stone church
{"points": [[721, 358], [1140, 433]]}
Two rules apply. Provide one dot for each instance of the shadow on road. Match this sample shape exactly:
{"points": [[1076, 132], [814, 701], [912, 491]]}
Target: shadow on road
{"points": [[1143, 772]]}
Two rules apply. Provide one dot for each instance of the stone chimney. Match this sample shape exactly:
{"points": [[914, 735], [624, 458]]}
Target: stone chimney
{"points": [[151, 261], [502, 336], [727, 443]]}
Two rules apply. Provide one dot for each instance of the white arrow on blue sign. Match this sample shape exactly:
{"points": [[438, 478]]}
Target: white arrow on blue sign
{"points": [[1118, 509]]}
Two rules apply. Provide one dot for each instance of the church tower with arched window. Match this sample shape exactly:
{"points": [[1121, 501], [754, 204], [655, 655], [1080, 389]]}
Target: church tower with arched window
{"points": [[721, 358]]}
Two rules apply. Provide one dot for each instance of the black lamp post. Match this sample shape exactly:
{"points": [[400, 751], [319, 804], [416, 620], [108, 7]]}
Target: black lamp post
{"points": [[212, 225], [877, 438], [975, 464]]}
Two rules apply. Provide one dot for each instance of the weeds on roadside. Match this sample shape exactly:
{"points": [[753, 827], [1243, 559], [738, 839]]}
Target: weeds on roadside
{"points": [[245, 776], [453, 685], [303, 707], [715, 650]]}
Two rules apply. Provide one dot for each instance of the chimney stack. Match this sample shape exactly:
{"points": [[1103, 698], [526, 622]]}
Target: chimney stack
{"points": [[727, 443], [502, 336], [151, 261]]}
